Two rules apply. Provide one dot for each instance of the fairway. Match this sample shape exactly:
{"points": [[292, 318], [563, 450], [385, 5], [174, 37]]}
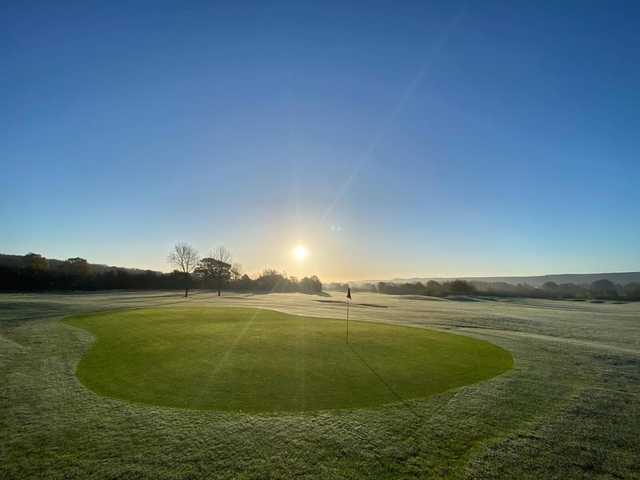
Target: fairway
{"points": [[569, 407], [254, 360]]}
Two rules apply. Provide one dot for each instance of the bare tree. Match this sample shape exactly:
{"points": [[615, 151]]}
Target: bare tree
{"points": [[236, 271], [221, 254], [185, 259]]}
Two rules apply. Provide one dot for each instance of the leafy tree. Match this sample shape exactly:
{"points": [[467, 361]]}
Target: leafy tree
{"points": [[214, 272]]}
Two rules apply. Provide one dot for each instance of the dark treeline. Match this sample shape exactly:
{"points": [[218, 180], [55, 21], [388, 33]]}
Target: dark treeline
{"points": [[273, 281], [598, 290], [33, 272], [431, 288]]}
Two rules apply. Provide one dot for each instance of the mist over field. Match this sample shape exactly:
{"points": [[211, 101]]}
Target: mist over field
{"points": [[539, 280]]}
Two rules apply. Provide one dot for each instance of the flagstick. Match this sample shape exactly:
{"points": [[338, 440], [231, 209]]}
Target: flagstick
{"points": [[347, 321]]}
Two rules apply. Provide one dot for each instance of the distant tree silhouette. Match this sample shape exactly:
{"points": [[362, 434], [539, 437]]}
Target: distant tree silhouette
{"points": [[632, 291], [75, 271], [603, 289], [244, 283], [433, 289], [35, 261], [460, 287], [76, 266], [271, 281], [310, 285], [551, 289], [185, 258]]}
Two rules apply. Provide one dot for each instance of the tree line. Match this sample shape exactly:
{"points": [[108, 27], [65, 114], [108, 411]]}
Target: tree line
{"points": [[34, 272], [216, 271], [598, 290]]}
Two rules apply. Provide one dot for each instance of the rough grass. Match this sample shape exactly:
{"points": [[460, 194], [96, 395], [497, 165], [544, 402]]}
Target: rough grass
{"points": [[255, 360], [570, 407]]}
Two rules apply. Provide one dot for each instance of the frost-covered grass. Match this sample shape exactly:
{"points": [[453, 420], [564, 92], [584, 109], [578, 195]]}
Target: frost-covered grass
{"points": [[570, 407]]}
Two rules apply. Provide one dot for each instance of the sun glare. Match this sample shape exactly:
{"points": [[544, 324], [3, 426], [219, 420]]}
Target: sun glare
{"points": [[300, 252]]}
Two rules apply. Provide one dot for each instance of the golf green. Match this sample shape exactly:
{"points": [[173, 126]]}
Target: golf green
{"points": [[252, 360]]}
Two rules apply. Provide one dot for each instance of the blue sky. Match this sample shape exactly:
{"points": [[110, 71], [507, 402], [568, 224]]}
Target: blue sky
{"points": [[389, 138]]}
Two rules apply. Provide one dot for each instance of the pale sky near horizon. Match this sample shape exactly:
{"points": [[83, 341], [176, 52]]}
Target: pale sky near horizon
{"points": [[391, 139]]}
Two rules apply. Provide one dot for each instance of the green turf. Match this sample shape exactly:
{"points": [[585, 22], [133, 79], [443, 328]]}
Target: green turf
{"points": [[569, 409], [253, 360]]}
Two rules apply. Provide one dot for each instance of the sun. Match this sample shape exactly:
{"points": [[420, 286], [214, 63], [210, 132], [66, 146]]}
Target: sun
{"points": [[300, 252]]}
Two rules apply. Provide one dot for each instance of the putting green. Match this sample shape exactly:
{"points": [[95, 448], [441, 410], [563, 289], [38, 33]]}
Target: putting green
{"points": [[252, 360]]}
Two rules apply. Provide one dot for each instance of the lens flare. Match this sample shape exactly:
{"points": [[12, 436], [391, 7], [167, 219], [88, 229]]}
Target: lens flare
{"points": [[300, 252]]}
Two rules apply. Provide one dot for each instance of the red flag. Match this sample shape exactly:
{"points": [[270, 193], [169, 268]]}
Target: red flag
{"points": [[349, 293]]}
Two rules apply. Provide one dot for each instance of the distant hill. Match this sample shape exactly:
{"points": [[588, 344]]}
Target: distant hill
{"points": [[586, 279]]}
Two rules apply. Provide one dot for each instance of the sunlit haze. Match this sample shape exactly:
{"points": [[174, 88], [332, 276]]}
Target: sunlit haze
{"points": [[394, 139], [300, 252]]}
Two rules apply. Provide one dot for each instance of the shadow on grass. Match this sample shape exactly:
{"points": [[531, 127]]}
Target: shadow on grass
{"points": [[421, 297], [462, 298], [384, 382], [342, 302], [12, 313], [312, 294]]}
